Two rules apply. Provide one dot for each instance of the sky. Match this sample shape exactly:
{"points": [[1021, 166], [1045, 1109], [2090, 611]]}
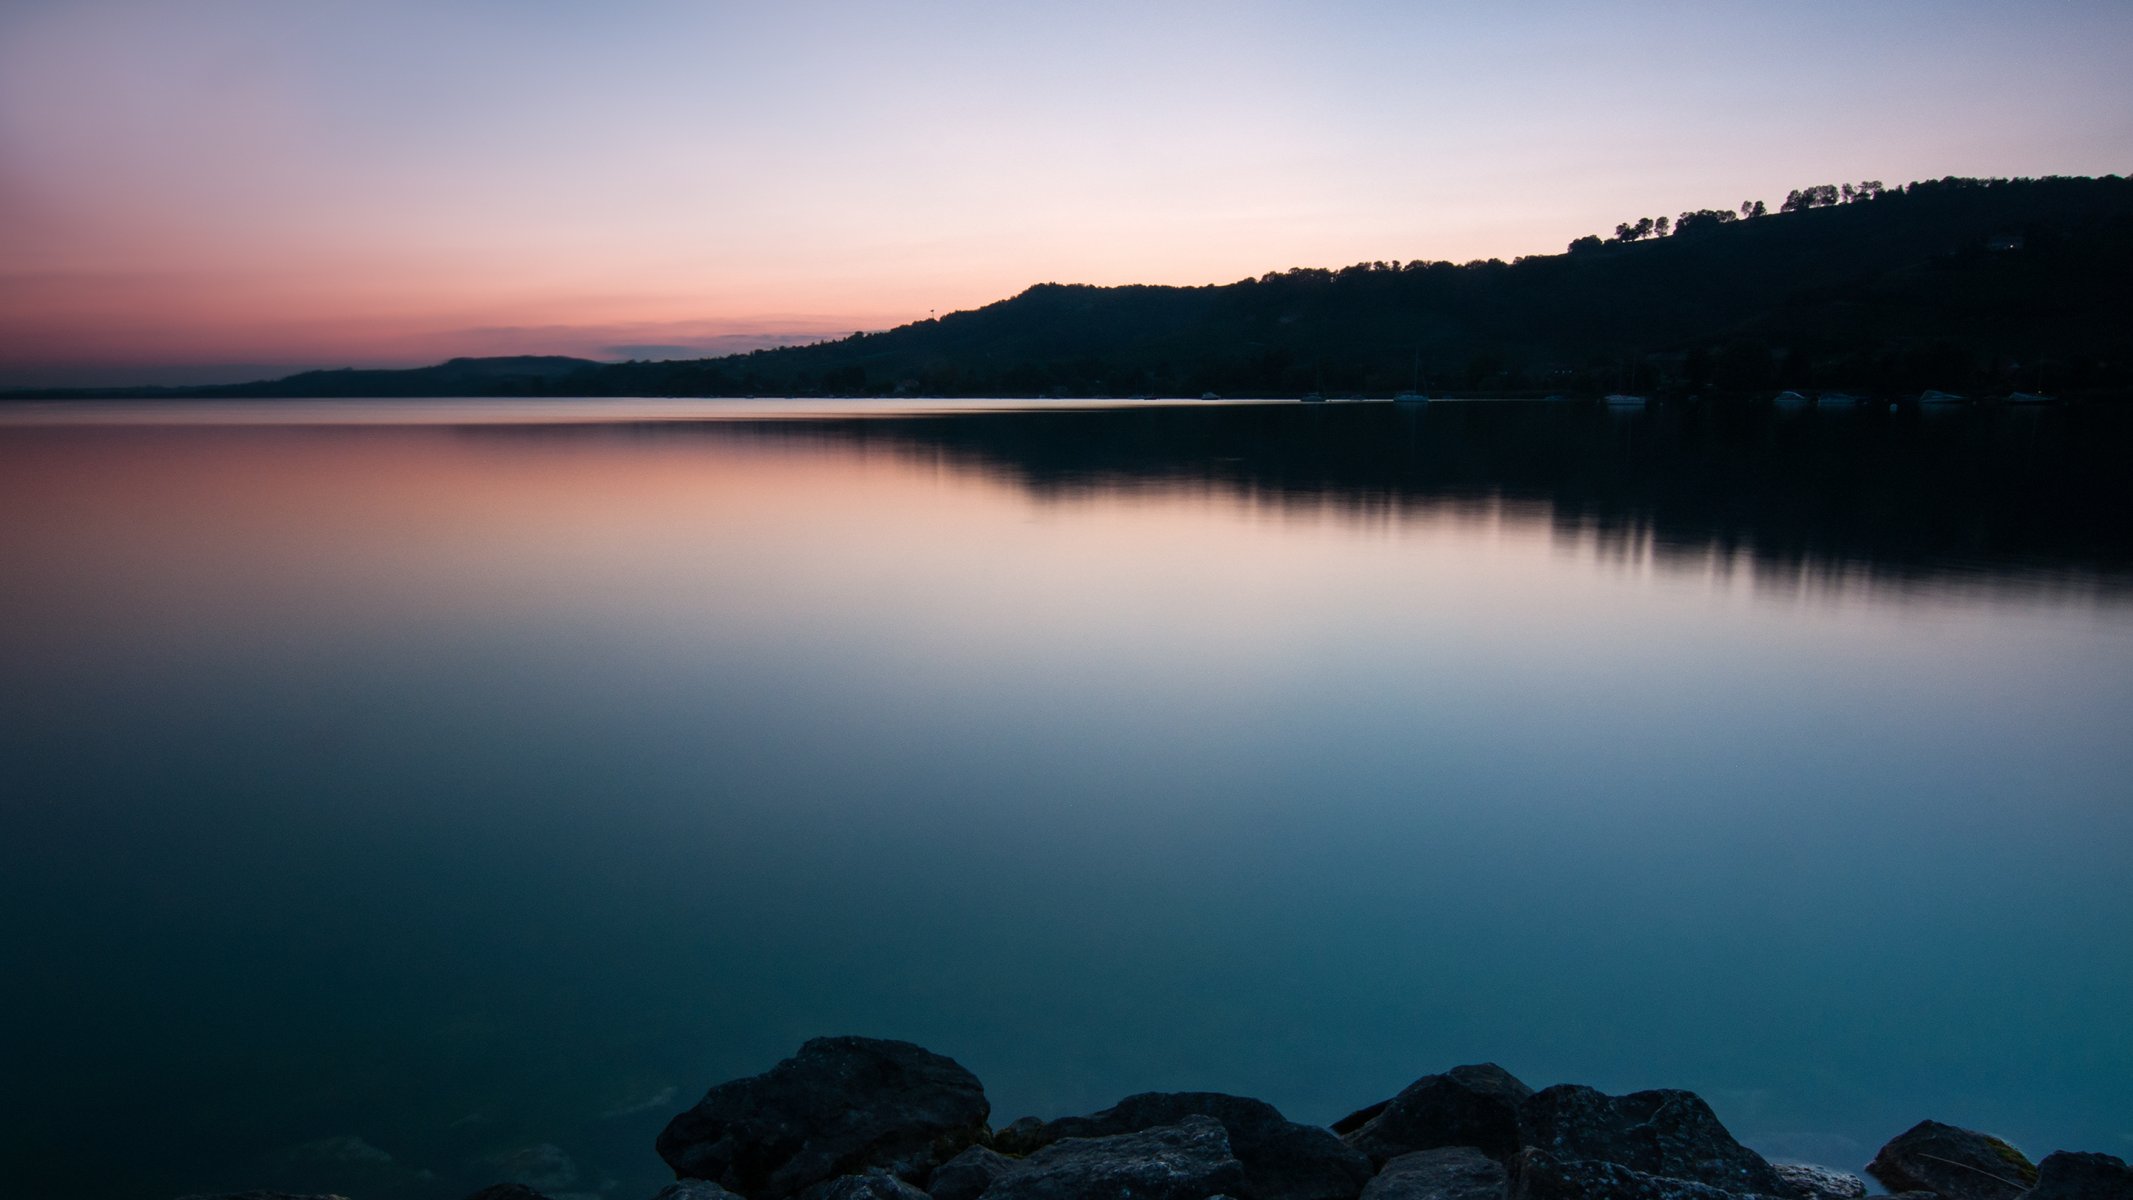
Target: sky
{"points": [[221, 189]]}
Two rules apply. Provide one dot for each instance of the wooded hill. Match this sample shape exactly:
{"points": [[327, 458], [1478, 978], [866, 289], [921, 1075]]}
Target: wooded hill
{"points": [[1973, 286]]}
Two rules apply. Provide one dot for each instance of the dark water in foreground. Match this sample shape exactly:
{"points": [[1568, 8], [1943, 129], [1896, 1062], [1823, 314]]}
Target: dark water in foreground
{"points": [[396, 808]]}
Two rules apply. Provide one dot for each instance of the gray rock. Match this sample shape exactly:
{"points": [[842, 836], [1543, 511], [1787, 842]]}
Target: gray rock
{"points": [[1282, 1159], [2066, 1176], [1446, 1173], [838, 1107], [967, 1175], [1190, 1160], [694, 1189], [1466, 1106], [1960, 1164], [1538, 1175], [1821, 1183], [874, 1185], [1667, 1134]]}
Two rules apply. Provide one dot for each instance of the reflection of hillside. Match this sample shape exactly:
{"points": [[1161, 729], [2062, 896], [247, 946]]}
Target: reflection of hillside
{"points": [[1940, 499]]}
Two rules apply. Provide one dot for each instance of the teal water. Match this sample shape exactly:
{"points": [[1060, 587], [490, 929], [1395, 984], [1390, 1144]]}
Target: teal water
{"points": [[400, 798]]}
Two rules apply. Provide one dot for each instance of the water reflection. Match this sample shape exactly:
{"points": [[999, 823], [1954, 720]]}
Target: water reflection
{"points": [[2033, 501]]}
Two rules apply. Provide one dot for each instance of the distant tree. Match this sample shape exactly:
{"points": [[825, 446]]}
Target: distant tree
{"points": [[1753, 208], [1659, 227], [1587, 243], [1703, 219], [1822, 195]]}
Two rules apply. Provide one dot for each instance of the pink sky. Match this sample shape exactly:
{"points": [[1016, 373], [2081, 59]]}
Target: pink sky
{"points": [[237, 187]]}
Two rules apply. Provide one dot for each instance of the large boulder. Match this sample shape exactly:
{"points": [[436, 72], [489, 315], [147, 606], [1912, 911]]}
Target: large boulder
{"points": [[1539, 1175], [1821, 1183], [1666, 1133], [2065, 1176], [967, 1175], [1960, 1164], [1466, 1106], [1282, 1159], [1446, 1173], [838, 1107], [1190, 1160]]}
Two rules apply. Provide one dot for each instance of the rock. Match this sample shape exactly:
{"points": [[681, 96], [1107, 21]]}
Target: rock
{"points": [[1190, 1160], [2066, 1176], [694, 1189], [1282, 1159], [1960, 1164], [1359, 1118], [838, 1107], [967, 1175], [874, 1185], [1820, 1183], [1466, 1106], [1538, 1175], [1668, 1134], [1446, 1173], [1021, 1136], [263, 1196]]}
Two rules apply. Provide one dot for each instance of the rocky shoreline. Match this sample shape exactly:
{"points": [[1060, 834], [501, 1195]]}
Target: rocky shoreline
{"points": [[852, 1118]]}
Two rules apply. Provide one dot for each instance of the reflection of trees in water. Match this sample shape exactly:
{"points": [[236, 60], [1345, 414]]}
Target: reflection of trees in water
{"points": [[1821, 499]]}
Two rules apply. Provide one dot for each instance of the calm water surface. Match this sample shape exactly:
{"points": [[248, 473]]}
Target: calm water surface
{"points": [[396, 799]]}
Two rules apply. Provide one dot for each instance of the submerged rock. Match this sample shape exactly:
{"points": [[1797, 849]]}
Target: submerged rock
{"points": [[1446, 1173], [1960, 1164], [2068, 1176], [1282, 1160], [1821, 1183], [1667, 1134], [1190, 1160], [1539, 1175], [508, 1191], [693, 1189], [838, 1107], [1466, 1106], [967, 1175]]}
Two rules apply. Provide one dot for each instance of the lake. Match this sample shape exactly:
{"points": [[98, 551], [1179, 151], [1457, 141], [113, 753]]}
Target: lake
{"points": [[398, 797]]}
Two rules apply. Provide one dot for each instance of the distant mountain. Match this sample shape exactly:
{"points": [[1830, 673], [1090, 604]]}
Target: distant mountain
{"points": [[1962, 285], [517, 375]]}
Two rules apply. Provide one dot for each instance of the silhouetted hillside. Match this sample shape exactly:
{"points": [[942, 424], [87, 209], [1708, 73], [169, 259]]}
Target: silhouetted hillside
{"points": [[1971, 286]]}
